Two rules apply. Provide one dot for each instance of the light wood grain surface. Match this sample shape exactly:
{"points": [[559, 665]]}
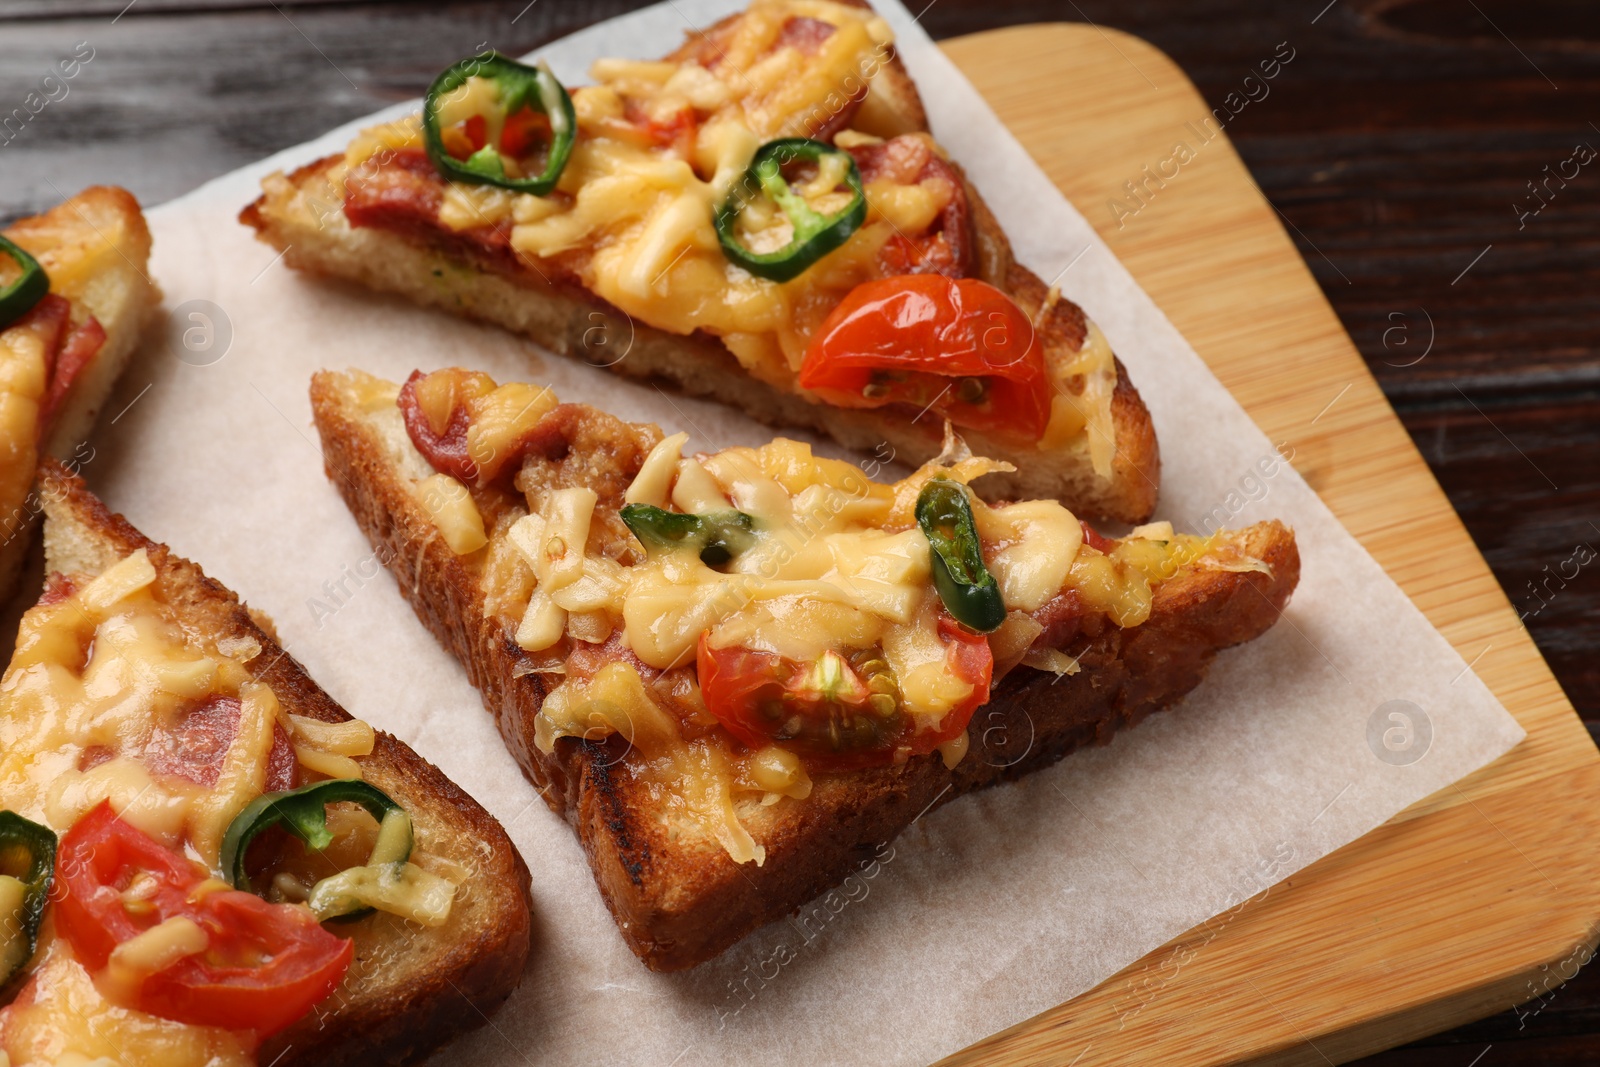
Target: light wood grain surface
{"points": [[1469, 902]]}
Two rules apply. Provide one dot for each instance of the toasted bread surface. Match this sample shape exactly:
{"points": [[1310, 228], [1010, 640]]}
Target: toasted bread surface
{"points": [[679, 902], [99, 244], [411, 988]]}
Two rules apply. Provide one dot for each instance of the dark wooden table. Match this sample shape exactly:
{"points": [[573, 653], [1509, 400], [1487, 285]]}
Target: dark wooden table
{"points": [[1437, 160]]}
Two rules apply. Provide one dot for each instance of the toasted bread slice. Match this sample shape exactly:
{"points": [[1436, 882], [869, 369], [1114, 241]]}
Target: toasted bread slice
{"points": [[1107, 468], [96, 250], [411, 988], [679, 899]]}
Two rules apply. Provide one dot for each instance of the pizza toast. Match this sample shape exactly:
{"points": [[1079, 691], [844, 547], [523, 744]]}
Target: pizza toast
{"points": [[627, 264], [60, 359], [685, 887], [413, 982]]}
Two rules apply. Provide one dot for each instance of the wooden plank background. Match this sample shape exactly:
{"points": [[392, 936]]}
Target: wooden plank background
{"points": [[1420, 151]]}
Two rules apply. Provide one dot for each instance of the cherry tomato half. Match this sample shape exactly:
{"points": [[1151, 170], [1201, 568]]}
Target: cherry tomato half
{"points": [[970, 659], [958, 346], [823, 711], [524, 131], [266, 965]]}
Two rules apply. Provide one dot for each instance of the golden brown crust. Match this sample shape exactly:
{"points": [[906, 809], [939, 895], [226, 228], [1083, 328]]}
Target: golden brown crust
{"points": [[678, 906], [410, 990]]}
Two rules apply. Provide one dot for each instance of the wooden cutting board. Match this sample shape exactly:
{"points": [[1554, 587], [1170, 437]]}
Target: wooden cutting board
{"points": [[1472, 901]]}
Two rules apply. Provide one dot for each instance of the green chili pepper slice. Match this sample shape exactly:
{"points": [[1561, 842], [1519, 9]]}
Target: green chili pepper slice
{"points": [[303, 812], [520, 86], [718, 537], [815, 234], [968, 590], [18, 298], [27, 858]]}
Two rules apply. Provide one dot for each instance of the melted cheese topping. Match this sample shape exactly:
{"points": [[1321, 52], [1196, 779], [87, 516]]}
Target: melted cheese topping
{"points": [[1080, 403], [96, 680], [832, 561], [450, 506], [62, 1018], [827, 566], [633, 214], [77, 256], [153, 950], [700, 785], [97, 674]]}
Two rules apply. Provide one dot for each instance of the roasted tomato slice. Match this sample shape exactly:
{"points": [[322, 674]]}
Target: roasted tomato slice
{"points": [[263, 966], [524, 131], [971, 660], [959, 347], [829, 712]]}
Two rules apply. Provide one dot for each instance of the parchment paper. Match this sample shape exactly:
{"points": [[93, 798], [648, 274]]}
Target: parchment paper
{"points": [[984, 912]]}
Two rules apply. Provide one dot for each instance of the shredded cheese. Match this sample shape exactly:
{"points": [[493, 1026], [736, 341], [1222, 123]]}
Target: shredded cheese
{"points": [[64, 1019], [75, 257], [453, 512], [97, 680], [349, 738], [154, 950], [1082, 402], [825, 560]]}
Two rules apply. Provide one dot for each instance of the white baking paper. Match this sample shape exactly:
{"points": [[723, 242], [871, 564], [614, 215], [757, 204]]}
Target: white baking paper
{"points": [[984, 912]]}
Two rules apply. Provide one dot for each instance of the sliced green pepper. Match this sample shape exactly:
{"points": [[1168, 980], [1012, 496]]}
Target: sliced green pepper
{"points": [[28, 864], [520, 86], [339, 896], [968, 590], [303, 812], [18, 298], [815, 234], [718, 537]]}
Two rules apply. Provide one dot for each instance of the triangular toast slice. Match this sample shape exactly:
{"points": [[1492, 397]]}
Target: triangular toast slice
{"points": [[59, 362], [667, 868], [413, 983], [626, 264]]}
